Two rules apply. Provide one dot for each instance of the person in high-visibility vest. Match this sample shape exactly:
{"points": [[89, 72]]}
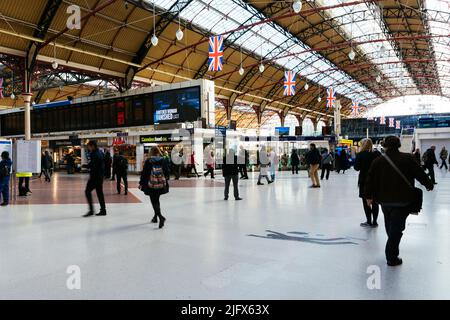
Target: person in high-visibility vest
{"points": [[24, 177]]}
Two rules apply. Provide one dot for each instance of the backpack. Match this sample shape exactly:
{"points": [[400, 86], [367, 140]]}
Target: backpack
{"points": [[157, 181], [4, 171], [123, 164]]}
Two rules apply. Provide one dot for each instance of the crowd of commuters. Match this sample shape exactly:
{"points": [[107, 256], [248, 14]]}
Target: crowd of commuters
{"points": [[385, 179]]}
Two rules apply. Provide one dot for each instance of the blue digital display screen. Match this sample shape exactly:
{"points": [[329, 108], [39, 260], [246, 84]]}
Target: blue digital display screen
{"points": [[282, 131], [174, 106]]}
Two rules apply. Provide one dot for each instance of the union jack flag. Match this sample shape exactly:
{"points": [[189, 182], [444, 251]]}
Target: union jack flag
{"points": [[215, 53], [289, 83], [331, 96], [382, 120], [355, 107], [1, 88], [398, 124], [391, 123]]}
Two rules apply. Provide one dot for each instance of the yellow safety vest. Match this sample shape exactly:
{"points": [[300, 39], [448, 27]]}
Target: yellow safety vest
{"points": [[24, 174]]}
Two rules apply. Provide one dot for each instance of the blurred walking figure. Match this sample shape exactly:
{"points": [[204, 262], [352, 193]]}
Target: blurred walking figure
{"points": [[210, 164], [363, 161], [313, 159], [121, 171], [327, 164], [342, 162], [429, 160], [5, 172], [46, 165], [274, 161], [230, 171], [295, 161], [263, 162], [243, 162], [443, 155]]}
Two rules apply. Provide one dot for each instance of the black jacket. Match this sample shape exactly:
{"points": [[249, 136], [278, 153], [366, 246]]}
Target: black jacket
{"points": [[46, 162], [430, 158], [384, 185], [295, 160], [313, 157], [120, 164], [230, 169], [363, 162], [96, 165]]}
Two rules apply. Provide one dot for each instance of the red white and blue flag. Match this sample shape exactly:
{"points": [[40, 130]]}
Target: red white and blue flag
{"points": [[355, 107], [1, 88], [289, 83], [331, 97], [382, 120], [391, 123], [398, 124], [215, 61]]}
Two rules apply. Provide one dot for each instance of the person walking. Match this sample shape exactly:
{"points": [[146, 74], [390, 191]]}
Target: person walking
{"points": [[230, 172], [154, 182], [429, 160], [70, 163], [342, 162], [295, 161], [313, 159], [443, 155], [390, 183], [327, 164], [108, 164], [274, 161], [114, 165], [210, 164], [5, 172], [96, 167], [46, 164], [363, 161], [263, 162], [121, 171], [193, 165], [243, 162]]}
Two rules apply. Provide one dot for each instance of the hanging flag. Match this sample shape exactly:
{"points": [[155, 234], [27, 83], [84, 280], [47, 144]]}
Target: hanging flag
{"points": [[398, 124], [331, 96], [1, 88], [215, 53], [289, 83], [382, 120], [355, 107], [391, 123]]}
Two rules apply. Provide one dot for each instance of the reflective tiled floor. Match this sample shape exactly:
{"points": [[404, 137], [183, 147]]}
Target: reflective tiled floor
{"points": [[283, 241]]}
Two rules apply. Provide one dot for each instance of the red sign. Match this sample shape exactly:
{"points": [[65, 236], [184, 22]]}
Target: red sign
{"points": [[120, 118]]}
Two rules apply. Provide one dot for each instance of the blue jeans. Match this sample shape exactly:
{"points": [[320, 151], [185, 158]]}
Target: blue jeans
{"points": [[4, 188]]}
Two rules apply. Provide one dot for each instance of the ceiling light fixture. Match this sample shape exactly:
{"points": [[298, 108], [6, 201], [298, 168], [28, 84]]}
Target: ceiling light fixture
{"points": [[297, 6]]}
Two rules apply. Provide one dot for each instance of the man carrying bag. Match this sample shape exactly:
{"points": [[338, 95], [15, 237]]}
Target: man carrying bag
{"points": [[390, 183]]}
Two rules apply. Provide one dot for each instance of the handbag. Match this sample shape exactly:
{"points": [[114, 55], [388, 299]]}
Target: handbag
{"points": [[416, 205]]}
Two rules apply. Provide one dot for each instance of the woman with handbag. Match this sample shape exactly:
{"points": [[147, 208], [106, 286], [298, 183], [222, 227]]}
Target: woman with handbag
{"points": [[154, 182]]}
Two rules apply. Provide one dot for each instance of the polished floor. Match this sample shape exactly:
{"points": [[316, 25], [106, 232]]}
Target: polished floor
{"points": [[283, 241]]}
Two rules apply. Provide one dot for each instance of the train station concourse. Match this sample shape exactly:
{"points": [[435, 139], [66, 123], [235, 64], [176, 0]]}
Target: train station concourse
{"points": [[224, 150]]}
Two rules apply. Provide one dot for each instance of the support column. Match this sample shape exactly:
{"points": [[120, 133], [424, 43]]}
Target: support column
{"points": [[258, 115], [315, 122], [27, 94], [282, 117]]}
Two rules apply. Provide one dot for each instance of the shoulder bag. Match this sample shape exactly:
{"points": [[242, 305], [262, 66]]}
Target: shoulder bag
{"points": [[416, 205]]}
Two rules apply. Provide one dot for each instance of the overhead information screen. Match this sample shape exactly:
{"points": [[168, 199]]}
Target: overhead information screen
{"points": [[179, 105]]}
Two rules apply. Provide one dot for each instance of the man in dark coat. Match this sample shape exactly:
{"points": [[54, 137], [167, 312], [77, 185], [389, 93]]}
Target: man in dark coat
{"points": [[230, 171], [96, 175], [385, 186], [313, 159], [429, 162], [121, 171]]}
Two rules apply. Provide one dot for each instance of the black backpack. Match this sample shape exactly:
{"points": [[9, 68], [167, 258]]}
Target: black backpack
{"points": [[5, 171]]}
